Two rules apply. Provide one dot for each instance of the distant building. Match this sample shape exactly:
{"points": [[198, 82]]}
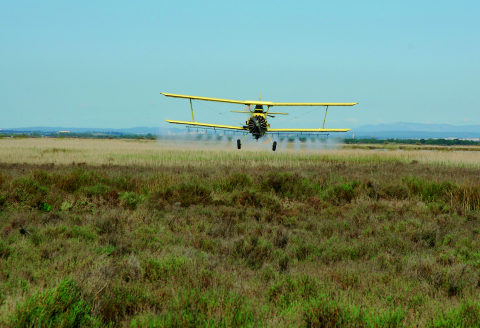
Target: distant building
{"points": [[63, 131]]}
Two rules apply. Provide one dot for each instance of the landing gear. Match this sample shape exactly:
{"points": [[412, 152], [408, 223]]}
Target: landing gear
{"points": [[274, 145], [239, 144]]}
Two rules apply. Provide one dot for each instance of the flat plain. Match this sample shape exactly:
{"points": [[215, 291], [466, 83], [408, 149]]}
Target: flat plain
{"points": [[140, 233]]}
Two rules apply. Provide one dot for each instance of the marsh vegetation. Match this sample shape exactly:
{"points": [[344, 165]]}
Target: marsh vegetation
{"points": [[162, 237]]}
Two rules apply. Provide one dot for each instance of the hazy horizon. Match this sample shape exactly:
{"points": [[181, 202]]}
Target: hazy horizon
{"points": [[177, 126]]}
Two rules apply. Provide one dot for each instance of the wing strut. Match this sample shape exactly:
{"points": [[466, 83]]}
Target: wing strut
{"points": [[323, 126], [191, 106]]}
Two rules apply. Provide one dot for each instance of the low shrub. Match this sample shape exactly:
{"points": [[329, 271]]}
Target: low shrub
{"points": [[290, 290], [186, 194], [44, 178], [236, 181], [26, 190], [429, 191], [5, 250], [131, 200], [197, 308], [44, 207], [254, 251], [247, 198], [327, 313], [95, 191], [394, 191], [112, 197], [280, 239], [324, 312], [466, 315], [107, 224], [165, 269], [3, 201], [78, 178], [123, 300], [287, 185], [61, 306], [340, 194]]}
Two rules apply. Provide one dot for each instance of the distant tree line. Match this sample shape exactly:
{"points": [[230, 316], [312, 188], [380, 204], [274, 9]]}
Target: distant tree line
{"points": [[442, 142], [88, 135], [149, 136]]}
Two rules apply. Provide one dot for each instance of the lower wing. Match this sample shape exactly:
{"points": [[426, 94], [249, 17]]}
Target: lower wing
{"points": [[308, 130], [229, 127]]}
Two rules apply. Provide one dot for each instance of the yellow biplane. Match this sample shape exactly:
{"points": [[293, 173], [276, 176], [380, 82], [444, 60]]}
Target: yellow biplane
{"points": [[257, 123]]}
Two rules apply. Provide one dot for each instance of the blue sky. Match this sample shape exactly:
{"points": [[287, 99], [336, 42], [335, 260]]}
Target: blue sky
{"points": [[104, 63]]}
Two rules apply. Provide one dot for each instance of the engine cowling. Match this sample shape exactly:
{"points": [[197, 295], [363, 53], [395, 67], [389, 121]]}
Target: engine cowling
{"points": [[257, 127]]}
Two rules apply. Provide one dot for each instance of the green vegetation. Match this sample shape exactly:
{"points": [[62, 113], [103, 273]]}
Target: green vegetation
{"points": [[433, 142], [61, 306], [84, 135], [322, 244]]}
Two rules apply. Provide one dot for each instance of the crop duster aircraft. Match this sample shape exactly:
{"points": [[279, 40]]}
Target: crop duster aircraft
{"points": [[257, 123]]}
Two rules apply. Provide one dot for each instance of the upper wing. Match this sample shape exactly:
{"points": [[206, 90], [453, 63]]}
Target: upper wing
{"points": [[256, 102], [206, 98], [313, 104], [308, 130], [208, 125]]}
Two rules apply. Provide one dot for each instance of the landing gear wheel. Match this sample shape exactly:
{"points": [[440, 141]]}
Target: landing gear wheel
{"points": [[274, 146], [239, 144]]}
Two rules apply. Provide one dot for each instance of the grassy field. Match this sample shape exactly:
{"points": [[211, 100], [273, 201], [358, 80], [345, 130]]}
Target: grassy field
{"points": [[161, 153], [120, 233], [387, 146]]}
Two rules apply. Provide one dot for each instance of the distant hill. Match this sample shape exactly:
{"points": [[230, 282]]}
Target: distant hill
{"points": [[137, 130]]}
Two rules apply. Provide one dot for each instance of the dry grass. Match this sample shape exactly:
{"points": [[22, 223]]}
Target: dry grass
{"points": [[395, 146], [160, 153]]}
